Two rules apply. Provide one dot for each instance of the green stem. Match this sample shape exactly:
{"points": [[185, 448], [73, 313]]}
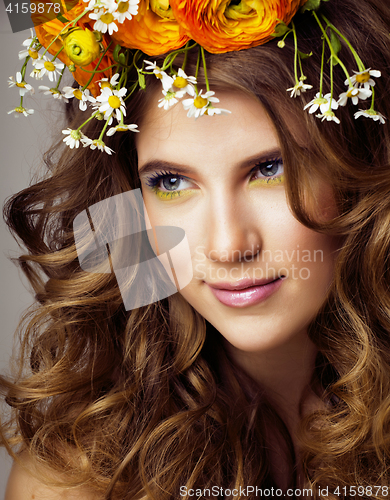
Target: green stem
{"points": [[103, 131], [97, 70], [97, 65], [372, 98], [168, 61], [183, 67], [88, 120], [359, 62], [322, 67], [60, 78], [55, 56], [197, 70], [331, 86], [205, 69], [333, 53], [295, 54], [23, 70]]}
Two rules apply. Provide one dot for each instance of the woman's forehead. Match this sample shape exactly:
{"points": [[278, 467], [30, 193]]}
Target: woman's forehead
{"points": [[247, 131]]}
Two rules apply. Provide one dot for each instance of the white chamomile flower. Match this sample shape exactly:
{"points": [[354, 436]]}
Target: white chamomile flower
{"points": [[322, 102], [112, 83], [166, 80], [127, 9], [122, 128], [20, 83], [363, 78], [36, 73], [96, 143], [29, 44], [57, 94], [96, 5], [370, 113], [105, 21], [169, 99], [83, 96], [198, 105], [74, 137], [51, 68], [210, 111], [299, 88], [111, 103], [21, 111], [184, 83], [354, 93], [328, 116]]}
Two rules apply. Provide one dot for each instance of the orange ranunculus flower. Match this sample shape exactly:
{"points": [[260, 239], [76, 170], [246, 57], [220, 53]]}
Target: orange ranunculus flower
{"points": [[154, 30], [48, 31], [223, 26]]}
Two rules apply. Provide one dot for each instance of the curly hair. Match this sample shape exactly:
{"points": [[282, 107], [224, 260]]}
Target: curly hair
{"points": [[136, 404]]}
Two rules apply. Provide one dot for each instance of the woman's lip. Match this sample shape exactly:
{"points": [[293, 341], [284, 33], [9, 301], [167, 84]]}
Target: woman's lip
{"points": [[241, 284], [249, 296]]}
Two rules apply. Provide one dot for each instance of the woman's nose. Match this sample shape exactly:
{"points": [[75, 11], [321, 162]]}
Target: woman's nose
{"points": [[231, 232]]}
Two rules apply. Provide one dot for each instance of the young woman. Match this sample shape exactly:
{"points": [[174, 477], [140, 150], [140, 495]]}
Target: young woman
{"points": [[268, 374]]}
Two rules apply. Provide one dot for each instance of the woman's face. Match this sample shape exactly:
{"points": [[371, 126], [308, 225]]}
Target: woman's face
{"points": [[260, 276]]}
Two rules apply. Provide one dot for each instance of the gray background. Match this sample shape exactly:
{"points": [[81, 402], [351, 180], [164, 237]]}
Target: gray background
{"points": [[22, 142]]}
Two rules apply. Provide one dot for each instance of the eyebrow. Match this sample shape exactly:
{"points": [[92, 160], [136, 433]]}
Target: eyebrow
{"points": [[160, 165]]}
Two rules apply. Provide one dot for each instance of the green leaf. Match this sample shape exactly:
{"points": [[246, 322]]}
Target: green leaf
{"points": [[141, 80], [311, 5], [63, 19], [335, 42], [280, 29], [115, 54], [302, 55]]}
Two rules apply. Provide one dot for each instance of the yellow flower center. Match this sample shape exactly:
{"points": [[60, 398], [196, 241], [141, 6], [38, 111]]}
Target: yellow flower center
{"points": [[33, 53], [107, 18], [78, 94], [104, 85], [21, 84], [123, 7], [49, 66], [121, 129], [363, 78], [76, 50], [200, 102], [114, 102], [180, 82]]}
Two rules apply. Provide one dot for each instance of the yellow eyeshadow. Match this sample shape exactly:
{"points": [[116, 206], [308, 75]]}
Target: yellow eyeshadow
{"points": [[172, 195], [272, 181]]}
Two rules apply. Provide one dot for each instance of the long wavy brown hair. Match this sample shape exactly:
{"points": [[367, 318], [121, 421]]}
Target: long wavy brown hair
{"points": [[136, 404]]}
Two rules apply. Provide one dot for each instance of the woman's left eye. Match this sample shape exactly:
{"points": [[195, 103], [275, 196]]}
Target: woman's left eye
{"points": [[268, 171]]}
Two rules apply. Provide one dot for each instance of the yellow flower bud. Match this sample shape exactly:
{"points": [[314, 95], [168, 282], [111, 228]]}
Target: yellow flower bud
{"points": [[81, 46]]}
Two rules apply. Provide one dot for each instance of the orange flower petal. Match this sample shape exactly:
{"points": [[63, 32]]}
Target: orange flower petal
{"points": [[221, 26], [152, 30]]}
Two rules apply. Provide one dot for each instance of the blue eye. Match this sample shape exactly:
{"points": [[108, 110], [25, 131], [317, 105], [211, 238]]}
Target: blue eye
{"points": [[272, 168], [268, 173], [168, 182]]}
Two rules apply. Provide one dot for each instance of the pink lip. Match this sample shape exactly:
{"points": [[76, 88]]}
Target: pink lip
{"points": [[246, 292]]}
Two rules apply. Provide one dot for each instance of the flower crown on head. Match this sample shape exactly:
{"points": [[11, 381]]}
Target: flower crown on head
{"points": [[101, 41]]}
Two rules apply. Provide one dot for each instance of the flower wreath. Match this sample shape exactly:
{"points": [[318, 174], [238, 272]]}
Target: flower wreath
{"points": [[100, 41]]}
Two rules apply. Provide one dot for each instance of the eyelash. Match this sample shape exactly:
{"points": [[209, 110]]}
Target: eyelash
{"points": [[154, 180]]}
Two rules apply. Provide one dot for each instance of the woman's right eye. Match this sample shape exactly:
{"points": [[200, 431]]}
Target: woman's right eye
{"points": [[169, 185]]}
